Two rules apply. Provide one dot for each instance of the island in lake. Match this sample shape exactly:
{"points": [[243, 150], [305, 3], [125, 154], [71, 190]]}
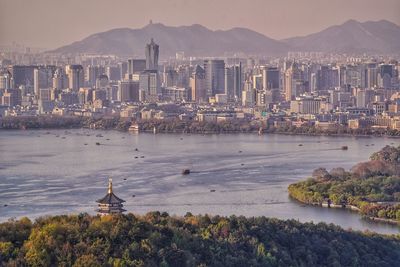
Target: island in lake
{"points": [[371, 188]]}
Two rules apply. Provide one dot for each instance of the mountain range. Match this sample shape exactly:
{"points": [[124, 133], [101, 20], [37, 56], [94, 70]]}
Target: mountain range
{"points": [[381, 37]]}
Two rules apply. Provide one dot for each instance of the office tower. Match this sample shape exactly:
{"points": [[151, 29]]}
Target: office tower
{"points": [[229, 83], [40, 80], [75, 76], [248, 94], [102, 82], [364, 98], [353, 76], [151, 52], [257, 81], [237, 81], [149, 85], [128, 91], [123, 70], [233, 82], [6, 81], [99, 94], [92, 73], [22, 75], [45, 94], [112, 73], [372, 76], [198, 85], [183, 78], [60, 80], [136, 66], [11, 97], [293, 82], [327, 78], [270, 77], [170, 77], [386, 74], [215, 76]]}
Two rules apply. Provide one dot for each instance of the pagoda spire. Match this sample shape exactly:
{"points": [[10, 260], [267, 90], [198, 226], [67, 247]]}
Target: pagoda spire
{"points": [[110, 185]]}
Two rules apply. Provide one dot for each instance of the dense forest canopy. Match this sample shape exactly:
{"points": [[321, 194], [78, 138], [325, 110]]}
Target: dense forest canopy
{"points": [[157, 239], [372, 186]]}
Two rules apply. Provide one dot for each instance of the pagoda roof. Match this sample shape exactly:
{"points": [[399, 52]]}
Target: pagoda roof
{"points": [[110, 198]]}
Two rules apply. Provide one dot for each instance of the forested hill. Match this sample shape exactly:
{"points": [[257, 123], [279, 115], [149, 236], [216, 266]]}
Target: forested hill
{"points": [[161, 240]]}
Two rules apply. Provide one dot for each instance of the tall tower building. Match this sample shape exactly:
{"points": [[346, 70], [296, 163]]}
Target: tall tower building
{"points": [[215, 76], [198, 85], [293, 82], [270, 78], [136, 65], [75, 76], [152, 51]]}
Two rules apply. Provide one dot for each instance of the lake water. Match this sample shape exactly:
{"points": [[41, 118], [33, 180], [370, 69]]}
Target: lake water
{"points": [[43, 173]]}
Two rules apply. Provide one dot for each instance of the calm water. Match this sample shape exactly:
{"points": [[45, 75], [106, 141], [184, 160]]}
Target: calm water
{"points": [[55, 172]]}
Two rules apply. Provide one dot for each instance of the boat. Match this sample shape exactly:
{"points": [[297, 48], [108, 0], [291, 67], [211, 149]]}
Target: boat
{"points": [[345, 147], [185, 171], [97, 143], [134, 128]]}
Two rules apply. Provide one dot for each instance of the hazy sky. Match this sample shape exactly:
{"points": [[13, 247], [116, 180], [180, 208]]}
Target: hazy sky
{"points": [[52, 23]]}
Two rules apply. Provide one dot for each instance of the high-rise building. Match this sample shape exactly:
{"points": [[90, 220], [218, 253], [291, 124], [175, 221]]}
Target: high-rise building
{"points": [[60, 80], [6, 81], [293, 82], [128, 91], [123, 70], [198, 85], [75, 75], [42, 79], [22, 75], [152, 51], [215, 76], [136, 65], [92, 73], [270, 78], [149, 86]]}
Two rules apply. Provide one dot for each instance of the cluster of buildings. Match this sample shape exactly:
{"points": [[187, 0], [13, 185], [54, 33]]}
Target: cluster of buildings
{"points": [[311, 88]]}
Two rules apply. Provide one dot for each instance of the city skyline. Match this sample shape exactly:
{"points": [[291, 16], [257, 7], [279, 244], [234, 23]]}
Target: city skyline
{"points": [[51, 24]]}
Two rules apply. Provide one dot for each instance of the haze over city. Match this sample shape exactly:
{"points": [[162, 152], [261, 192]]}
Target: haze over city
{"points": [[199, 133], [50, 24]]}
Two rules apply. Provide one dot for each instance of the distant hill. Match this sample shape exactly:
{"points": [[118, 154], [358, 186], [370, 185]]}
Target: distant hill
{"points": [[194, 40], [352, 37]]}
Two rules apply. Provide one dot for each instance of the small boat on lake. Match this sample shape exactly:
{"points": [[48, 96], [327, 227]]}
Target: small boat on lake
{"points": [[185, 171]]}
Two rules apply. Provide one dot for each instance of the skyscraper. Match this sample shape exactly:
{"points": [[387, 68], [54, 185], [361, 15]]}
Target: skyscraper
{"points": [[270, 78], [136, 65], [75, 76], [198, 85], [215, 76], [293, 82], [152, 51]]}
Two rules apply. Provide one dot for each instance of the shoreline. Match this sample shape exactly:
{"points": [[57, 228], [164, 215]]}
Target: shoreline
{"points": [[350, 208], [255, 132]]}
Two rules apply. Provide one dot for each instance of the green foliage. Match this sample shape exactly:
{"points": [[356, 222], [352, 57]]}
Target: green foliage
{"points": [[372, 186], [157, 239]]}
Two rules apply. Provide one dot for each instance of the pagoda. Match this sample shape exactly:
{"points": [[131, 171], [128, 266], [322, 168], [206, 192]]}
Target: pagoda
{"points": [[110, 203]]}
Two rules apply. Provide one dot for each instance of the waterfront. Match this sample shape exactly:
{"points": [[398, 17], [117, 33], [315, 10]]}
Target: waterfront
{"points": [[41, 173]]}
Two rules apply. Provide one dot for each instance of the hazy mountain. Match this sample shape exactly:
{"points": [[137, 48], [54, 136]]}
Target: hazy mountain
{"points": [[352, 37], [194, 40]]}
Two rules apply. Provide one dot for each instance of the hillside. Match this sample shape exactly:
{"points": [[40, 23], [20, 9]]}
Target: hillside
{"points": [[157, 239], [352, 37], [194, 40]]}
